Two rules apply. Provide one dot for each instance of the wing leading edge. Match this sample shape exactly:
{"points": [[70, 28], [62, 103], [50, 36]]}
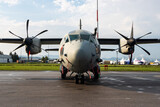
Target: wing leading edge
{"points": [[43, 41], [11, 40], [108, 41], [102, 41], [47, 41], [111, 41]]}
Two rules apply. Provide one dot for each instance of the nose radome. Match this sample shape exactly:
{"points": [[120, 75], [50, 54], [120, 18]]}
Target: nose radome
{"points": [[80, 55]]}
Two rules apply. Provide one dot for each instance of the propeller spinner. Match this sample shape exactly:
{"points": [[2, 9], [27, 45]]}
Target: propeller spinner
{"points": [[28, 41], [132, 41]]}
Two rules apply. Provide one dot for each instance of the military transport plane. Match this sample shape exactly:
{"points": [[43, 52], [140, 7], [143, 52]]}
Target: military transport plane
{"points": [[79, 50]]}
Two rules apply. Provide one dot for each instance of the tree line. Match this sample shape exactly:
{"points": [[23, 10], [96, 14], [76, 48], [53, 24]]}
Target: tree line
{"points": [[15, 57]]}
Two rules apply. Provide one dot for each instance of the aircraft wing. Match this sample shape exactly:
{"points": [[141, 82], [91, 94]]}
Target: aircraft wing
{"points": [[11, 40], [148, 41], [102, 41], [111, 41], [108, 41], [43, 41], [103, 49], [48, 41], [56, 49]]}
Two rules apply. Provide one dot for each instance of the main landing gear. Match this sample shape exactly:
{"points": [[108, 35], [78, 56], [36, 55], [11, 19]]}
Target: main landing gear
{"points": [[63, 71], [96, 72], [79, 77]]}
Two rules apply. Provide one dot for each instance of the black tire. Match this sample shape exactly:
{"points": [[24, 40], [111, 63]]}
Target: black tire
{"points": [[63, 76], [77, 79], [96, 73], [64, 73], [96, 77], [82, 79]]}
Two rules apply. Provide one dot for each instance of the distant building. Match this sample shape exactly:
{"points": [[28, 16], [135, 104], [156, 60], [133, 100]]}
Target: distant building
{"points": [[106, 62], [53, 61], [113, 62], [32, 59], [137, 62], [123, 61], [144, 61], [5, 59], [156, 62]]}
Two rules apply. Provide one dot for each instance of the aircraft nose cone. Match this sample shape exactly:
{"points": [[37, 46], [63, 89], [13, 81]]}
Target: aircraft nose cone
{"points": [[80, 57]]}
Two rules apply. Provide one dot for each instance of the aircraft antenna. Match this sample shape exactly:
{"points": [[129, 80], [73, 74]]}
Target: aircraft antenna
{"points": [[97, 21], [80, 24]]}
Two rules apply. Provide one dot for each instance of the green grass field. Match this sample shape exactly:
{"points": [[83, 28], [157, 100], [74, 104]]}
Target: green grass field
{"points": [[55, 67], [131, 68]]}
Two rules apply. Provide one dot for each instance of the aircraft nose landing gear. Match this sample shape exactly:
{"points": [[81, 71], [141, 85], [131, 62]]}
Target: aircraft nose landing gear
{"points": [[63, 71], [79, 77]]}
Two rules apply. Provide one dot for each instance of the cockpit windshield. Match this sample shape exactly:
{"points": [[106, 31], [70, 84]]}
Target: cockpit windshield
{"points": [[76, 37], [85, 37], [73, 37]]}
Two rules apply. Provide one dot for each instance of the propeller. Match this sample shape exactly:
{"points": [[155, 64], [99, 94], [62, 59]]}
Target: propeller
{"points": [[28, 41], [133, 41]]}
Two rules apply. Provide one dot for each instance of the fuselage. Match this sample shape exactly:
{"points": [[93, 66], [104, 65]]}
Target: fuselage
{"points": [[79, 51]]}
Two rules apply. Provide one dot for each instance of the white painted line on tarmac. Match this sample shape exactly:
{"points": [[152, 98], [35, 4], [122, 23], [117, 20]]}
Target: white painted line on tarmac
{"points": [[157, 76], [10, 74], [140, 92], [127, 98], [112, 79], [141, 89], [129, 86], [149, 87], [157, 94], [141, 78]]}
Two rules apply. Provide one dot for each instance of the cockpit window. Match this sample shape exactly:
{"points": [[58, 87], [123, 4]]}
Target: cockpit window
{"points": [[74, 37], [67, 40], [85, 37]]}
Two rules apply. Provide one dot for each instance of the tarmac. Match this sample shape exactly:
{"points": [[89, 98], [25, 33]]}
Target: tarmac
{"points": [[46, 89]]}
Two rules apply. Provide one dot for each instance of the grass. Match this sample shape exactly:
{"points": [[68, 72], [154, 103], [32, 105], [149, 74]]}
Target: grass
{"points": [[131, 68], [29, 67], [55, 67]]}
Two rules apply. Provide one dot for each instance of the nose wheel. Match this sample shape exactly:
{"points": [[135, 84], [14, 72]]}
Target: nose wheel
{"points": [[79, 78]]}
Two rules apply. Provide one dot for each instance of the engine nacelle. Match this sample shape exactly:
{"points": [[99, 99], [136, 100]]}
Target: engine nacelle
{"points": [[125, 49], [35, 48]]}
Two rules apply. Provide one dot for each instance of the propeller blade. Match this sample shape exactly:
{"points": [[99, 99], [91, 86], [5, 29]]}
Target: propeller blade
{"points": [[122, 35], [15, 35], [18, 47], [120, 47], [28, 53], [130, 61], [124, 45], [144, 35], [40, 33], [143, 49], [27, 24], [28, 56], [132, 32]]}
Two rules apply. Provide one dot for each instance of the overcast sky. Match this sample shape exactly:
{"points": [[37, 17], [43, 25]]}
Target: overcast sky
{"points": [[62, 16]]}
